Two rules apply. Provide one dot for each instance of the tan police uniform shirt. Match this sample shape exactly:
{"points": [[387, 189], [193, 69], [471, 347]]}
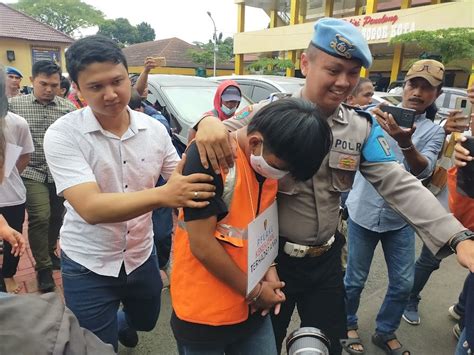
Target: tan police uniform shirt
{"points": [[308, 211]]}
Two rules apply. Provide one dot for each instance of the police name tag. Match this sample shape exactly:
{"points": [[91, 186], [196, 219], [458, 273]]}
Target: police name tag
{"points": [[262, 245]]}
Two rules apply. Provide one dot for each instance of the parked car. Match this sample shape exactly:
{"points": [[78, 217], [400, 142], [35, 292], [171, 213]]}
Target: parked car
{"points": [[260, 87], [385, 97], [183, 99], [447, 101]]}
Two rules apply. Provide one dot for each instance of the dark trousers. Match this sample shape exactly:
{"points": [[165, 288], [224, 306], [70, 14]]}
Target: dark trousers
{"points": [[315, 286], [424, 267], [95, 299], [14, 215], [162, 230], [45, 218]]}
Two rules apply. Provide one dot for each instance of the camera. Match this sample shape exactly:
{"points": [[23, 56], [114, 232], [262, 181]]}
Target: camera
{"points": [[307, 341]]}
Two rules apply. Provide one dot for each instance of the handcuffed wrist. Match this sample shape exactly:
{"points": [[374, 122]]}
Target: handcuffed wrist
{"points": [[252, 299]]}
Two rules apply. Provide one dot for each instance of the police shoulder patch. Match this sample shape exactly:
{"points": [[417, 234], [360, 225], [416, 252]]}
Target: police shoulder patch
{"points": [[243, 113]]}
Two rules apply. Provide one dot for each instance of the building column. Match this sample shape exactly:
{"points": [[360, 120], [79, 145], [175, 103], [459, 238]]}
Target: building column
{"points": [[398, 50], [370, 8], [471, 77], [294, 13], [239, 58], [329, 8], [358, 8], [397, 62], [273, 18]]}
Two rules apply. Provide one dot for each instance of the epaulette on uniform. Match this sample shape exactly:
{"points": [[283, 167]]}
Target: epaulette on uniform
{"points": [[359, 111]]}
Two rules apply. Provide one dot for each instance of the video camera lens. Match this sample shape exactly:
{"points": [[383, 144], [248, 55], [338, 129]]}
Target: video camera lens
{"points": [[307, 341]]}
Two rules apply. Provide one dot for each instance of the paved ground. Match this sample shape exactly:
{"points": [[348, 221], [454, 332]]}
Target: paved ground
{"points": [[432, 337], [26, 276]]}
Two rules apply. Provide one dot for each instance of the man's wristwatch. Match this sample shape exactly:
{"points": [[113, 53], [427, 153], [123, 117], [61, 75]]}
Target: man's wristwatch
{"points": [[459, 237]]}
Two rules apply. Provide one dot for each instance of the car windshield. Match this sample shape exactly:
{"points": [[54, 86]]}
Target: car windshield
{"points": [[192, 101]]}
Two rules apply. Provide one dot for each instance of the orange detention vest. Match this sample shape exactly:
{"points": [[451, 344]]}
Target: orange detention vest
{"points": [[461, 206], [197, 295]]}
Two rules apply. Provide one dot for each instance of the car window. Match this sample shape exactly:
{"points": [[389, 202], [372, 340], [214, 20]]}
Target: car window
{"points": [[247, 89], [440, 100], [191, 102], [261, 93]]}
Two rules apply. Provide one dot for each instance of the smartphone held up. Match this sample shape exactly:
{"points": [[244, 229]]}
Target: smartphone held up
{"points": [[405, 117]]}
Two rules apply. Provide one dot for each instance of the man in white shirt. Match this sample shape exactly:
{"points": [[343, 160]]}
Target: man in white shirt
{"points": [[105, 160]]}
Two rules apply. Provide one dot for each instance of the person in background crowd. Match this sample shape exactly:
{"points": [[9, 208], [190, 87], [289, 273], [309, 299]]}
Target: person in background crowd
{"points": [[64, 87], [362, 94], [226, 100], [212, 311], [162, 217], [461, 203], [13, 82], [16, 134], [427, 263], [76, 98], [309, 258], [45, 208], [105, 160], [13, 238], [371, 220]]}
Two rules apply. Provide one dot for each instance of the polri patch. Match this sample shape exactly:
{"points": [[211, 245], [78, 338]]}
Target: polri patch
{"points": [[347, 162], [244, 113]]}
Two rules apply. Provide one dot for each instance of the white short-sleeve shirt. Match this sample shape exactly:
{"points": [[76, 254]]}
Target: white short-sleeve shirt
{"points": [[79, 150], [17, 132]]}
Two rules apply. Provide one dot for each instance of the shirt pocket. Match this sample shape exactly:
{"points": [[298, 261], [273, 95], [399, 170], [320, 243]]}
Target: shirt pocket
{"points": [[343, 167]]}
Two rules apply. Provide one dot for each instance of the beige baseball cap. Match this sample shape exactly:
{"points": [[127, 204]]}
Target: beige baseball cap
{"points": [[429, 69]]}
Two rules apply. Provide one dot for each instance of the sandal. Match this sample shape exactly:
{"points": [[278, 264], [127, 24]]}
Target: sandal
{"points": [[347, 345], [381, 340]]}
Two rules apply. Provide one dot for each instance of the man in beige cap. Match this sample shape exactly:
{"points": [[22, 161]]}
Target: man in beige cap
{"points": [[372, 220]]}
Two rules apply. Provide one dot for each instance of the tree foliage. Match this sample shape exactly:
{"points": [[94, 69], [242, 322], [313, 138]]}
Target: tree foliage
{"points": [[450, 43], [145, 32], [204, 54], [124, 33], [64, 15], [272, 66]]}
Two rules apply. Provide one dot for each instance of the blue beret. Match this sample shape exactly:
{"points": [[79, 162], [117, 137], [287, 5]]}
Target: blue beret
{"points": [[341, 39], [14, 71]]}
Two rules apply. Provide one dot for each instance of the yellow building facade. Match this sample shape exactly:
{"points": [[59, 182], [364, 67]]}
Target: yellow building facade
{"points": [[24, 40], [292, 21]]}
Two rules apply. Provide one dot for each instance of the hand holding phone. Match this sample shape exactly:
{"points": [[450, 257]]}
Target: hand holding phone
{"points": [[464, 105], [404, 117], [160, 61]]}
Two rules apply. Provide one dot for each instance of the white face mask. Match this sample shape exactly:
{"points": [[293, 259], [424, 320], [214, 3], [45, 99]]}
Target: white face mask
{"points": [[228, 111], [261, 167]]}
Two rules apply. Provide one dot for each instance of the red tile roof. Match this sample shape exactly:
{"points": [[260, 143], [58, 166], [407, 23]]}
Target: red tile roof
{"points": [[173, 49], [16, 24]]}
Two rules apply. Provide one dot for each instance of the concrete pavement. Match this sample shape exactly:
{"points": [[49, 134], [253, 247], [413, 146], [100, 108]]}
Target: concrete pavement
{"points": [[432, 337]]}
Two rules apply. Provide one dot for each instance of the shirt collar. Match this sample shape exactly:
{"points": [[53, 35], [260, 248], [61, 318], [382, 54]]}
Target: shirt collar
{"points": [[90, 123], [54, 102]]}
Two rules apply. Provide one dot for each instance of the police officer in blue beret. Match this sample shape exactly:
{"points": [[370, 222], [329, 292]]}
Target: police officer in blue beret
{"points": [[13, 81], [309, 258]]}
